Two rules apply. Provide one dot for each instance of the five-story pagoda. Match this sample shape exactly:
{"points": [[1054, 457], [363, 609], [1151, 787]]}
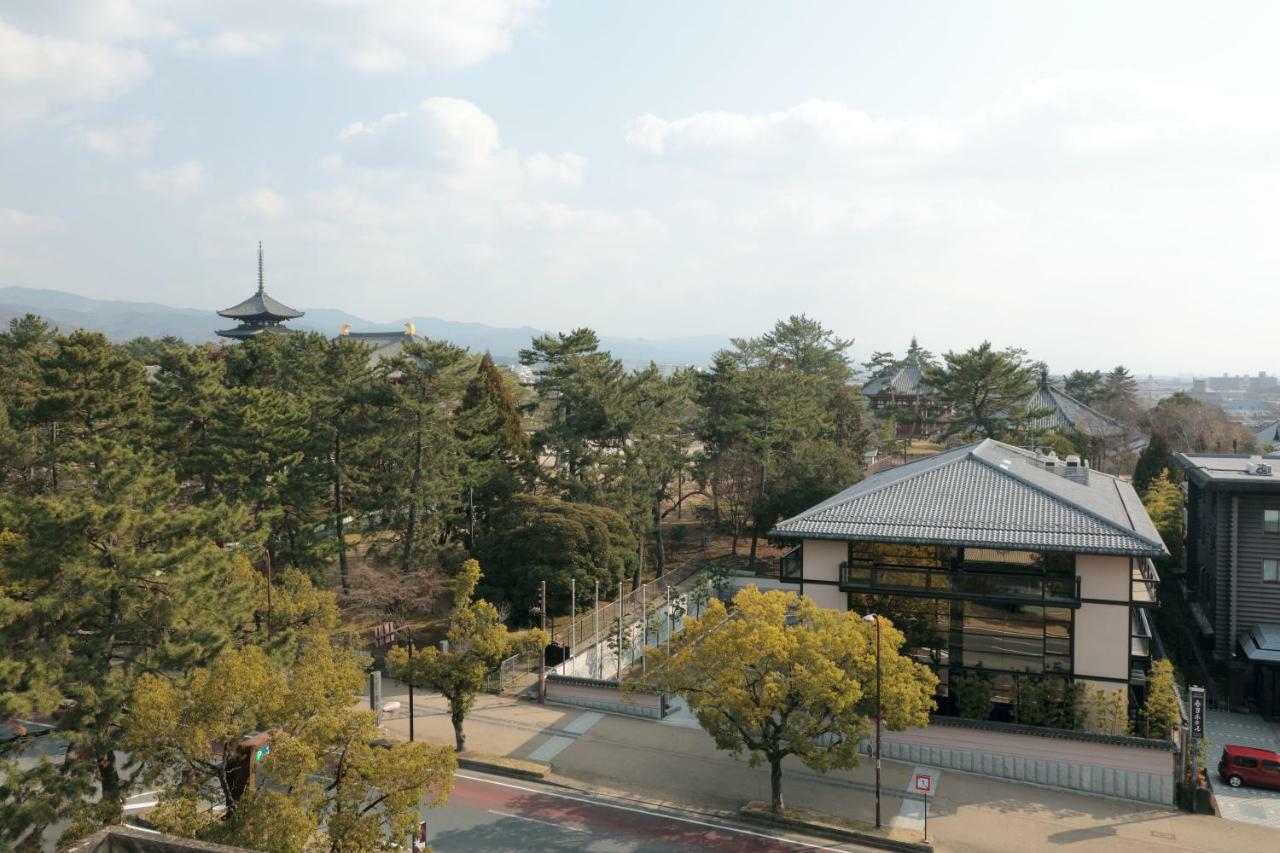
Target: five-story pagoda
{"points": [[257, 314]]}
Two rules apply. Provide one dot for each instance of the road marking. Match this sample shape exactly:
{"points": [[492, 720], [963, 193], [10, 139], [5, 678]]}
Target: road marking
{"points": [[550, 748], [557, 744], [667, 816], [911, 812], [535, 820], [583, 722]]}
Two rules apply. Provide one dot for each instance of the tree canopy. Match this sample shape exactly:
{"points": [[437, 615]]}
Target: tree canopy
{"points": [[779, 676]]}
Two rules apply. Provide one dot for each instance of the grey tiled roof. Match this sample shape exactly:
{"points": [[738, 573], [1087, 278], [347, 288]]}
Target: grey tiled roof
{"points": [[1066, 412], [260, 305], [904, 378], [1269, 434], [986, 494]]}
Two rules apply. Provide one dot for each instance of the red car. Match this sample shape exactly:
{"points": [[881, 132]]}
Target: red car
{"points": [[1244, 765]]}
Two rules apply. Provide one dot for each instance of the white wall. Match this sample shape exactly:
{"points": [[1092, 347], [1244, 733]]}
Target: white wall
{"points": [[822, 559], [1102, 630], [1103, 577]]}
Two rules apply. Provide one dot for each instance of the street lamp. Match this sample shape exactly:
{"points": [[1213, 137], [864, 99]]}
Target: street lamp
{"points": [[873, 618]]}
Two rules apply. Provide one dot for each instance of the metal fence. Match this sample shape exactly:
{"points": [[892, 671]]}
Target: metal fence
{"points": [[601, 623]]}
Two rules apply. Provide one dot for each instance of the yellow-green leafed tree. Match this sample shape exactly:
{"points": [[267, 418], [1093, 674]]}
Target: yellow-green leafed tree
{"points": [[780, 676], [1161, 709], [478, 642], [325, 767]]}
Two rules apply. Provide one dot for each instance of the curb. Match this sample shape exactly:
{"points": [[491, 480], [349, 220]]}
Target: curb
{"points": [[535, 771], [759, 813]]}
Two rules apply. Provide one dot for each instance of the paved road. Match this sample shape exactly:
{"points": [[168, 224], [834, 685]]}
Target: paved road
{"points": [[1248, 805], [486, 813]]}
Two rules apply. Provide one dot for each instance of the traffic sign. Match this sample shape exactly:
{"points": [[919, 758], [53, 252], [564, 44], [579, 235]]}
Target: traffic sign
{"points": [[923, 783]]}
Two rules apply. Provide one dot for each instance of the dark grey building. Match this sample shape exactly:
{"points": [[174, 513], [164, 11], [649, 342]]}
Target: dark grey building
{"points": [[1233, 567]]}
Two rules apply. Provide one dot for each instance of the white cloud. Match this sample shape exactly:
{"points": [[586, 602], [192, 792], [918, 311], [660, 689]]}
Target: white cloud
{"points": [[821, 124], [370, 36], [1076, 113], [129, 140], [230, 43], [176, 182], [264, 202], [41, 73], [452, 141], [21, 220]]}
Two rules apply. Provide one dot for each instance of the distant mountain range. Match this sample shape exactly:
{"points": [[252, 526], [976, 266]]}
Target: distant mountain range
{"points": [[121, 321]]}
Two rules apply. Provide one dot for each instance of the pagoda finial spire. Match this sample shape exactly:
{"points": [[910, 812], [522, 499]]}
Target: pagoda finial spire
{"points": [[260, 267]]}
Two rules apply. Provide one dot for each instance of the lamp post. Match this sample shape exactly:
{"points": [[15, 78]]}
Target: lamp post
{"points": [[871, 617]]}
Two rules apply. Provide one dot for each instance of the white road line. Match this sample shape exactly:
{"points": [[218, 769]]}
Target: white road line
{"points": [[635, 810], [583, 722], [535, 820]]}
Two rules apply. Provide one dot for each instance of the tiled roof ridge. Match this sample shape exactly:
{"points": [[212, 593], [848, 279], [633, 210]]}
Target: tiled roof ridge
{"points": [[1075, 505], [925, 463], [1054, 389]]}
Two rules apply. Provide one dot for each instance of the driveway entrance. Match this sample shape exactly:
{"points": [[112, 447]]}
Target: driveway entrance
{"points": [[1247, 805]]}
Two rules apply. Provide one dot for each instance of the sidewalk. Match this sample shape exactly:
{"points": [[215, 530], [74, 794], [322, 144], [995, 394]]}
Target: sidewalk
{"points": [[680, 766]]}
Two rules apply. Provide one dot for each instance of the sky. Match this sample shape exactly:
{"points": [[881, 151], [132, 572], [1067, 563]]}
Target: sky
{"points": [[1096, 182]]}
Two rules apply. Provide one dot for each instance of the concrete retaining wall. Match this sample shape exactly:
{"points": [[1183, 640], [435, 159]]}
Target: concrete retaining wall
{"points": [[1143, 773], [604, 696]]}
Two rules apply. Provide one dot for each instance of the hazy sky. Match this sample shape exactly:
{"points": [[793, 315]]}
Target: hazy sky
{"points": [[1099, 183]]}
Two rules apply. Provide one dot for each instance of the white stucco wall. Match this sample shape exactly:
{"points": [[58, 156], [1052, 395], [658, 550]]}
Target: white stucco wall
{"points": [[1103, 577], [822, 559]]}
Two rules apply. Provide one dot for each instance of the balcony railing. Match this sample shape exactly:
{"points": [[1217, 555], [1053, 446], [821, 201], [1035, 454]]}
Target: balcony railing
{"points": [[931, 582], [1143, 584]]}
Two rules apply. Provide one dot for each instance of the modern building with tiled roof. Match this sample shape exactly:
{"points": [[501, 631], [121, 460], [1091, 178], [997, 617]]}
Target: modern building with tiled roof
{"points": [[1233, 569], [1009, 562], [259, 313]]}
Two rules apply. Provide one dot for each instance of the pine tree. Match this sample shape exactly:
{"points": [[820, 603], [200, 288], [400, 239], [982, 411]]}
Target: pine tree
{"points": [[1154, 461], [489, 425], [109, 577], [985, 391]]}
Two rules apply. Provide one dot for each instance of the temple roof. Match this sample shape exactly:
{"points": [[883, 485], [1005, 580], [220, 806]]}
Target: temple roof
{"points": [[1059, 410], [260, 306]]}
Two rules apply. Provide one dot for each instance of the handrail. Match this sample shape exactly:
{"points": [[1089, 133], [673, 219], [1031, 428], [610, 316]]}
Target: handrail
{"points": [[950, 583]]}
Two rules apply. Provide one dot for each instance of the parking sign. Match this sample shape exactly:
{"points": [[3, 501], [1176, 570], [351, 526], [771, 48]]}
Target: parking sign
{"points": [[924, 783]]}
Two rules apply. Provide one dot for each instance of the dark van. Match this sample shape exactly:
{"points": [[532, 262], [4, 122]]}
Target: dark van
{"points": [[1244, 765]]}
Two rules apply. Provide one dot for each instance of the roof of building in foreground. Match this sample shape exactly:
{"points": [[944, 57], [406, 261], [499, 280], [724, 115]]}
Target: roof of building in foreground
{"points": [[129, 839], [1234, 468], [986, 495]]}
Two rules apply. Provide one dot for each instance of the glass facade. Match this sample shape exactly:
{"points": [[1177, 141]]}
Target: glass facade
{"points": [[992, 612]]}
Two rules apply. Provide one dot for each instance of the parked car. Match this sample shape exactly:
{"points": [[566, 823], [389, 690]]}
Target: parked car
{"points": [[1245, 765]]}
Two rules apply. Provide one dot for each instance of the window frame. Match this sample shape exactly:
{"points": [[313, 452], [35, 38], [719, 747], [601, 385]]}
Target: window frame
{"points": [[1271, 521], [1275, 571]]}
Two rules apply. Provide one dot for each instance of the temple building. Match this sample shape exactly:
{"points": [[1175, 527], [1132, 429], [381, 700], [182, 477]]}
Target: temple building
{"points": [[257, 314]]}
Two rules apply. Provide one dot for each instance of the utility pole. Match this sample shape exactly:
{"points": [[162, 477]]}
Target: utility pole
{"points": [[410, 680], [542, 657], [872, 617], [644, 626], [595, 610], [619, 632], [671, 620], [471, 515], [573, 618], [268, 550]]}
